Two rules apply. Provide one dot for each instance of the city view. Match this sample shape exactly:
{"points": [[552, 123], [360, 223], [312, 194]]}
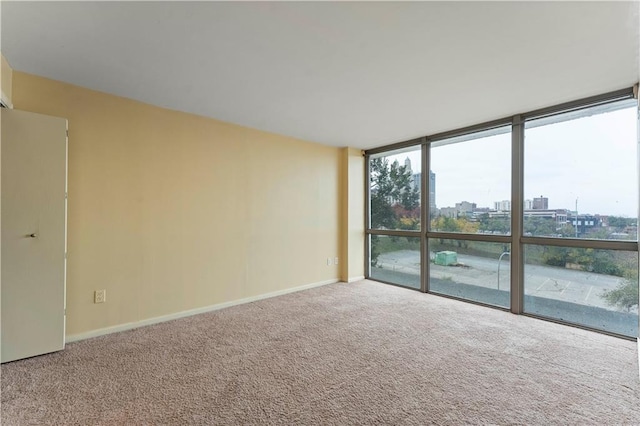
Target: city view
{"points": [[565, 196], [539, 219]]}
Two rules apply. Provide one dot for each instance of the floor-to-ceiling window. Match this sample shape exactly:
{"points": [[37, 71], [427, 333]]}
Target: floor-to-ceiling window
{"points": [[395, 216], [536, 213], [469, 242], [580, 219]]}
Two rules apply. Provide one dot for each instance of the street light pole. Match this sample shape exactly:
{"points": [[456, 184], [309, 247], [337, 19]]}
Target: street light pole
{"points": [[500, 260]]}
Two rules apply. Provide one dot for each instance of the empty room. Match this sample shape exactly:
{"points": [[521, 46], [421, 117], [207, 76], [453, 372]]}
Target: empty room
{"points": [[319, 213]]}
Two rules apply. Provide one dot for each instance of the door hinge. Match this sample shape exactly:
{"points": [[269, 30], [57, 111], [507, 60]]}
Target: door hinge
{"points": [[66, 254], [67, 133], [66, 195]]}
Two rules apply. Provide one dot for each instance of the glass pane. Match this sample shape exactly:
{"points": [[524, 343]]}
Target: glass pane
{"points": [[472, 177], [594, 288], [396, 260], [580, 174], [471, 270], [395, 189]]}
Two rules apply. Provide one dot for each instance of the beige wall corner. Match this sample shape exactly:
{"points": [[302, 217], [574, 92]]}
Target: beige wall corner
{"points": [[352, 214], [171, 212], [6, 81]]}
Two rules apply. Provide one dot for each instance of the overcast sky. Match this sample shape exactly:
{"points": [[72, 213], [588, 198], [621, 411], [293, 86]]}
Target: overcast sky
{"points": [[591, 159]]}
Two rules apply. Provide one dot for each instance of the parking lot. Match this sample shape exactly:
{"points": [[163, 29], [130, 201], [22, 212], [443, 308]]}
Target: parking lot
{"points": [[549, 282]]}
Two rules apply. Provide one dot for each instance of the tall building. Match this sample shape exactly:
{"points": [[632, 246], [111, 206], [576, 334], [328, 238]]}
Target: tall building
{"points": [[541, 203], [502, 206], [528, 204], [407, 164], [448, 212], [417, 183]]}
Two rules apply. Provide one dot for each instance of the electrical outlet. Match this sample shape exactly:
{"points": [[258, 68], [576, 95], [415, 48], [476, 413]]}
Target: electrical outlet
{"points": [[100, 296], [335, 261], [328, 261]]}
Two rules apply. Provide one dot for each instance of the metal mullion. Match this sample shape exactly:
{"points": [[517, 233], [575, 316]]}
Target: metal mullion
{"points": [[425, 217], [494, 124], [636, 89], [469, 237], [577, 325], [394, 147], [393, 232], [591, 101], [517, 200], [367, 216], [578, 243], [395, 284], [475, 302]]}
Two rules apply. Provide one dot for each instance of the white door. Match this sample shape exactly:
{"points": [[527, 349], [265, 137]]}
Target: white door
{"points": [[33, 221]]}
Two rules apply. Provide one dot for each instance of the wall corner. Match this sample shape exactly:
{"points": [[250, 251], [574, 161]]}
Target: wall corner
{"points": [[351, 214], [6, 82]]}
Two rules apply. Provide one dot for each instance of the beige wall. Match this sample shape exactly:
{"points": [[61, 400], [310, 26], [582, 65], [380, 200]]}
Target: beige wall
{"points": [[6, 81], [355, 231], [352, 214], [6, 76], [170, 211]]}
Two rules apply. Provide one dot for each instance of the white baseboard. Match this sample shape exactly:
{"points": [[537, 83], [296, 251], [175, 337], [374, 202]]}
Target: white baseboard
{"points": [[354, 279], [190, 312]]}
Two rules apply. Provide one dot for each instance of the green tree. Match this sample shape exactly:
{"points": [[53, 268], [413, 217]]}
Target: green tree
{"points": [[605, 262], [393, 198], [540, 226], [555, 256], [381, 192], [494, 224], [391, 186], [598, 261], [449, 224], [445, 224], [620, 222], [567, 230], [625, 295]]}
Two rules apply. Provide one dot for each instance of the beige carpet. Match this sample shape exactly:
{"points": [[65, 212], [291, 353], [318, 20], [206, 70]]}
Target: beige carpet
{"points": [[361, 353]]}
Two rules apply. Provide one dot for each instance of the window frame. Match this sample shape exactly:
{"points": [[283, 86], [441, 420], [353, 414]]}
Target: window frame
{"points": [[517, 239]]}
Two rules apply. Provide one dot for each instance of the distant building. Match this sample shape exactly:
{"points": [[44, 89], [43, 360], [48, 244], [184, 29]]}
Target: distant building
{"points": [[502, 206], [541, 203], [499, 214], [481, 210], [528, 205], [448, 212], [558, 215], [584, 222], [407, 164], [417, 183], [465, 208], [462, 209]]}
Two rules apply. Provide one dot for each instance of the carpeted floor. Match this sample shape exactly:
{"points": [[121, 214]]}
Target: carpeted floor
{"points": [[360, 353]]}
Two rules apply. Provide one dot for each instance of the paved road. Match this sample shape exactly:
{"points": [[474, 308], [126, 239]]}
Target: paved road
{"points": [[550, 282]]}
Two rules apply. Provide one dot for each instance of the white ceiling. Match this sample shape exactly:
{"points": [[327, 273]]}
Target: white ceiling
{"points": [[344, 74]]}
